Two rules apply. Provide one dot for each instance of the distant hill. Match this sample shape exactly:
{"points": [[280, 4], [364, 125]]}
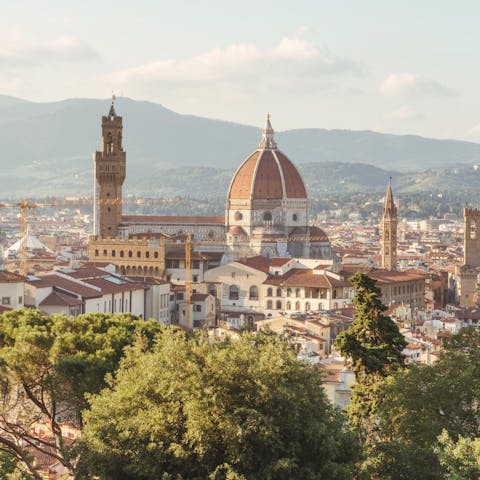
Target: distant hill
{"points": [[46, 148]]}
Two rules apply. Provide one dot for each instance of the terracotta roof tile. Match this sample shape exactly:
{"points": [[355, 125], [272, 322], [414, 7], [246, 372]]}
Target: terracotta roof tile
{"points": [[65, 284], [60, 299]]}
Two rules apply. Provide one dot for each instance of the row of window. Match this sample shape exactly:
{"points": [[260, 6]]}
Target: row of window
{"points": [[234, 293], [309, 293], [298, 306], [121, 253], [402, 289]]}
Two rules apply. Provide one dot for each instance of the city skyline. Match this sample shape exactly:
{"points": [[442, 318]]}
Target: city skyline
{"points": [[399, 68]]}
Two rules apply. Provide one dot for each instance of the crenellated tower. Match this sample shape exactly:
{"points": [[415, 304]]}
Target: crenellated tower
{"points": [[389, 231], [110, 164], [471, 237]]}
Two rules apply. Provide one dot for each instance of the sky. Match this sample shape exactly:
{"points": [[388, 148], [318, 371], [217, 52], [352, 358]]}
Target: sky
{"points": [[398, 66]]}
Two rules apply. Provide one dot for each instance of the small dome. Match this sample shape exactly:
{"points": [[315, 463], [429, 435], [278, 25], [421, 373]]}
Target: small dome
{"points": [[267, 174]]}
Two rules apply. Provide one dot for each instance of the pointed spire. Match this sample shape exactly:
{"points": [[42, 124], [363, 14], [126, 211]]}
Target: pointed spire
{"points": [[390, 209], [112, 112], [268, 140]]}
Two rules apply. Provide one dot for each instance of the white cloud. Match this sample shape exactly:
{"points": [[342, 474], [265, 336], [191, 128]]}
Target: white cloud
{"points": [[16, 50], [404, 113], [291, 62], [409, 85], [474, 133]]}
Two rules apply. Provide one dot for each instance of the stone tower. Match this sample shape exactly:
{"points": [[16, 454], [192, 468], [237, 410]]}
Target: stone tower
{"points": [[110, 165], [471, 237], [389, 231]]}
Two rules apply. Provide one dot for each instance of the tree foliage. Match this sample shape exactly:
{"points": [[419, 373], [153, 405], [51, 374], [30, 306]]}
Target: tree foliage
{"points": [[47, 365], [420, 405], [194, 409], [373, 343]]}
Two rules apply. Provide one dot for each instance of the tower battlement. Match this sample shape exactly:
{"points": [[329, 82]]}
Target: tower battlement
{"points": [[471, 212]]}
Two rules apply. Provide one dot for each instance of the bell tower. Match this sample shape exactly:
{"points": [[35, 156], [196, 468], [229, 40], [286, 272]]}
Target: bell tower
{"points": [[110, 164], [389, 231]]}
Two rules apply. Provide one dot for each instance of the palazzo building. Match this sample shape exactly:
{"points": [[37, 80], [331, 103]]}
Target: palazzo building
{"points": [[267, 213]]}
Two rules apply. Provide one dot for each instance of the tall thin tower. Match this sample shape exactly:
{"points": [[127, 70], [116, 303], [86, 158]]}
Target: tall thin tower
{"points": [[389, 231], [110, 164]]}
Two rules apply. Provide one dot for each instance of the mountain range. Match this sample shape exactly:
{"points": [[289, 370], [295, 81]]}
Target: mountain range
{"points": [[46, 149]]}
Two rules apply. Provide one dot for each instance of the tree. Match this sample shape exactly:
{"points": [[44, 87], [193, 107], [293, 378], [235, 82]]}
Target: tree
{"points": [[461, 459], [47, 365], [373, 342], [431, 415], [374, 345], [197, 409]]}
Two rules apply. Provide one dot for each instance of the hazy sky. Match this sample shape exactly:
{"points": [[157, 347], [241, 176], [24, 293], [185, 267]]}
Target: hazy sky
{"points": [[394, 66]]}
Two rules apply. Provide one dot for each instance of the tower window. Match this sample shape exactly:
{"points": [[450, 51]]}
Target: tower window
{"points": [[238, 216], [473, 230]]}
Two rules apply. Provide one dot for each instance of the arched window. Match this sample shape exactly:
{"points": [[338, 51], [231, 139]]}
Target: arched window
{"points": [[212, 289], [387, 234], [122, 253], [267, 219], [233, 292], [294, 217], [104, 253], [139, 254], [269, 292], [238, 216], [96, 253], [279, 305], [130, 254], [279, 292], [297, 292], [288, 305], [269, 304], [307, 307], [155, 254], [147, 254], [297, 306], [253, 293], [387, 251], [289, 292]]}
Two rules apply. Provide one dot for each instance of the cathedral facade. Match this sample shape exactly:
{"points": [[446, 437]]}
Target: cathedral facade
{"points": [[267, 212]]}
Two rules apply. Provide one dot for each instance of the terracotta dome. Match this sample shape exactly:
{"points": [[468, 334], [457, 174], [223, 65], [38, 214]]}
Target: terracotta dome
{"points": [[267, 174]]}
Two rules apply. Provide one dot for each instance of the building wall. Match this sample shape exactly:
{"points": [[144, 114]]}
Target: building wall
{"points": [[131, 256], [12, 294]]}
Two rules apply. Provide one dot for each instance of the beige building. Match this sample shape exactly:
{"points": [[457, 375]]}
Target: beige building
{"points": [[466, 275], [12, 289]]}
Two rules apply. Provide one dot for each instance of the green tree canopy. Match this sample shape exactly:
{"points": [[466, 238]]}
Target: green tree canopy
{"points": [[194, 409], [420, 404], [47, 365]]}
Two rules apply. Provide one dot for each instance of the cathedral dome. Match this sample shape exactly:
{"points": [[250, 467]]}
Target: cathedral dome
{"points": [[267, 174]]}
